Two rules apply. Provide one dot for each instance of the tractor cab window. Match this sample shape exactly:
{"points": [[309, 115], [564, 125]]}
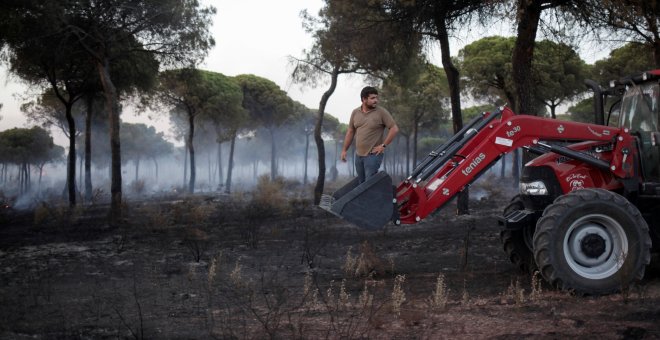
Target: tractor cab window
{"points": [[639, 108], [639, 113]]}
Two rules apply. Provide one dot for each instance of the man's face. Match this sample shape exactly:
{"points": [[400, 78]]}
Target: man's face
{"points": [[371, 101]]}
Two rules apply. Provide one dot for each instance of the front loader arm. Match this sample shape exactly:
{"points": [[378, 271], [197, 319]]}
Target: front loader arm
{"points": [[448, 170]]}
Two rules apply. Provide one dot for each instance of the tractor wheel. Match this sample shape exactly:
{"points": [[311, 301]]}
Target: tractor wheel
{"points": [[592, 241], [517, 244]]}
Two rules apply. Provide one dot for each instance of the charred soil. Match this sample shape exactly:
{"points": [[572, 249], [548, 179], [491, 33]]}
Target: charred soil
{"points": [[239, 267]]}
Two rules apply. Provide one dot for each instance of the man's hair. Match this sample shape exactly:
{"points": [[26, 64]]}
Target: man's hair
{"points": [[367, 91]]}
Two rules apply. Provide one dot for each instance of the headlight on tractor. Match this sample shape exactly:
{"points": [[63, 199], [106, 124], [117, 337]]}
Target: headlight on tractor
{"points": [[535, 188]]}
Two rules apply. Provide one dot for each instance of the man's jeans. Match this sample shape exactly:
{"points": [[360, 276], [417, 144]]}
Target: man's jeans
{"points": [[367, 166]]}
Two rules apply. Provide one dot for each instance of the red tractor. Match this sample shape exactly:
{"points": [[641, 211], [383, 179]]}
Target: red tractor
{"points": [[589, 203]]}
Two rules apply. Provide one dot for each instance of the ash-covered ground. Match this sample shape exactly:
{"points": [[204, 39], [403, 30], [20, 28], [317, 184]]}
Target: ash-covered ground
{"points": [[270, 265]]}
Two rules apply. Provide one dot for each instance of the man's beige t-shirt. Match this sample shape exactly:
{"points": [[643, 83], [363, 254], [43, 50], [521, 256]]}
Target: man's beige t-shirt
{"points": [[369, 127]]}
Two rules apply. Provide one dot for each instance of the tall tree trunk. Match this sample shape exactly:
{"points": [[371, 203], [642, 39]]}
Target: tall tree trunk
{"points": [[220, 173], [156, 167], [552, 111], [273, 155], [185, 164], [656, 52], [407, 155], [230, 163], [529, 15], [414, 147], [503, 167], [71, 168], [112, 105], [41, 173], [88, 148], [191, 150], [306, 157], [320, 147], [137, 170], [652, 22], [335, 171], [453, 79], [21, 178], [515, 169]]}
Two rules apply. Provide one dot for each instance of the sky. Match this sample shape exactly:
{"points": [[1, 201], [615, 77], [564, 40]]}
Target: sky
{"points": [[252, 37]]}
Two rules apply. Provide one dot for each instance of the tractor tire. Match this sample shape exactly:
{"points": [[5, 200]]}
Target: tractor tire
{"points": [[517, 244], [592, 241]]}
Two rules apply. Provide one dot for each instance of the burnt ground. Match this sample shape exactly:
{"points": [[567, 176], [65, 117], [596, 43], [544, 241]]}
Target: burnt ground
{"points": [[244, 267]]}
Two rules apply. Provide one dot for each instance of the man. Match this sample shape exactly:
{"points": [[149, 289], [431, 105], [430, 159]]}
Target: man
{"points": [[367, 125]]}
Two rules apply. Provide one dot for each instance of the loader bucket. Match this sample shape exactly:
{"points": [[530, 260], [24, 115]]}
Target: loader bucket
{"points": [[368, 205]]}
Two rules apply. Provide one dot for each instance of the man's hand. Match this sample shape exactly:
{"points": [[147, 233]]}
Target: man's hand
{"points": [[343, 155], [378, 149]]}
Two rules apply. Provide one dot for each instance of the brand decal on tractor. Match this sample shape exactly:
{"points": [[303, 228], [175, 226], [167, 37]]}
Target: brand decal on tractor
{"points": [[475, 162], [576, 181], [513, 131]]}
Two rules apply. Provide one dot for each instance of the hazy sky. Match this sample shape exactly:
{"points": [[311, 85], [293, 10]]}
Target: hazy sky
{"points": [[252, 36], [256, 37]]}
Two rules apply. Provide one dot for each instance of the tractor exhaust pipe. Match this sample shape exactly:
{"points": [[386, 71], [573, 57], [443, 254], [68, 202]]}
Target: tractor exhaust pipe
{"points": [[599, 112]]}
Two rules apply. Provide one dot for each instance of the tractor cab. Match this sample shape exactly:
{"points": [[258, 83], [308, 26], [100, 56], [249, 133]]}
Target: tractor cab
{"points": [[640, 112]]}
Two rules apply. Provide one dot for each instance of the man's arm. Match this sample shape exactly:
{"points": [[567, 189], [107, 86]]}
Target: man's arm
{"points": [[347, 142], [391, 134], [378, 149]]}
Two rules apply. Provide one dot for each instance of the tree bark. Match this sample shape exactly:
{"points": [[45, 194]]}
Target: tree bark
{"points": [[503, 167], [529, 15], [137, 169], [273, 154], [453, 79], [320, 147], [334, 171], [220, 176], [306, 156], [112, 104], [156, 167], [230, 163], [414, 133], [71, 165], [191, 150], [408, 155], [88, 149], [656, 52]]}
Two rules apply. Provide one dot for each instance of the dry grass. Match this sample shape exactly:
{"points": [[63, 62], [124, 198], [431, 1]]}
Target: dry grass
{"points": [[366, 264], [398, 295], [537, 289], [514, 293], [270, 195], [156, 217], [440, 296], [59, 213]]}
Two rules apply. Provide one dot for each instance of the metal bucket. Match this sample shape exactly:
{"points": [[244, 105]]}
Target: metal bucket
{"points": [[369, 205]]}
